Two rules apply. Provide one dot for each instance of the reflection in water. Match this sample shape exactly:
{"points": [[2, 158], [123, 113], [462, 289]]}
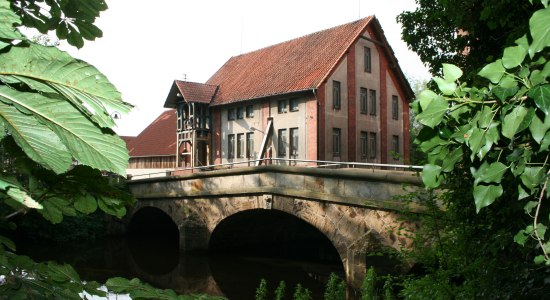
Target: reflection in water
{"points": [[161, 265]]}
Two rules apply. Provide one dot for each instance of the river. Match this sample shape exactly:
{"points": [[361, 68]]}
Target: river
{"points": [[160, 264]]}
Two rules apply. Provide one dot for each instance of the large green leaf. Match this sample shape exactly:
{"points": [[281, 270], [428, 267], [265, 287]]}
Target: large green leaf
{"points": [[485, 195], [80, 82], [7, 21], [86, 204], [38, 141], [512, 121], [539, 24], [86, 142]]}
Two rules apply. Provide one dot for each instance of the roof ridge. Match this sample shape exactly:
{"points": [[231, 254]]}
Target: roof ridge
{"points": [[305, 36], [187, 81]]}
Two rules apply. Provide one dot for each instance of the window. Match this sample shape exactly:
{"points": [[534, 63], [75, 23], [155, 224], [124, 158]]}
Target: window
{"points": [[281, 106], [240, 112], [363, 99], [395, 144], [372, 144], [395, 107], [231, 146], [372, 102], [231, 114], [336, 95], [364, 144], [250, 145], [294, 104], [240, 145], [336, 134], [250, 111], [294, 142], [368, 68], [281, 145]]}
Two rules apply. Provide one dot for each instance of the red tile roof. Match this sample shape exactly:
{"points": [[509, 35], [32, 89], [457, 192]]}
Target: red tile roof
{"points": [[158, 139], [196, 92], [296, 65]]}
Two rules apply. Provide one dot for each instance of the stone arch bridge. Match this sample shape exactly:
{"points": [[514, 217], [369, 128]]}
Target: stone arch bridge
{"points": [[355, 209]]}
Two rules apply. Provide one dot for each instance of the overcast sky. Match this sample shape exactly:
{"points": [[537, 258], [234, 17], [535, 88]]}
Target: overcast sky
{"points": [[146, 45]]}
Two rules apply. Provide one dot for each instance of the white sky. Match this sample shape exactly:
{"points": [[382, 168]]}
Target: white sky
{"points": [[148, 44]]}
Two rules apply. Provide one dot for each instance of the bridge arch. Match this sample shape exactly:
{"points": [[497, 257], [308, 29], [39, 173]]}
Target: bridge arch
{"points": [[152, 230], [353, 230], [272, 233]]}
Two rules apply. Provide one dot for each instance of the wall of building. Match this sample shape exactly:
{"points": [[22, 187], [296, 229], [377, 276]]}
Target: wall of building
{"points": [[336, 118], [287, 120], [367, 122], [243, 126], [152, 162]]}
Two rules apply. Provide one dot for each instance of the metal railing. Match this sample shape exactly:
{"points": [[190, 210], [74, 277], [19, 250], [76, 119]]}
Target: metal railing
{"points": [[284, 161]]}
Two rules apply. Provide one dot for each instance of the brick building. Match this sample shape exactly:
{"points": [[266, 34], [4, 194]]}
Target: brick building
{"points": [[336, 95]]}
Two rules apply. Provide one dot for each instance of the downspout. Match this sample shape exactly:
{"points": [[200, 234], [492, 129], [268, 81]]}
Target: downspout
{"points": [[318, 120]]}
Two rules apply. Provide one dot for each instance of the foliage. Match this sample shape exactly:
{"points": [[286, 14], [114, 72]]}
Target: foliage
{"points": [[497, 133], [461, 254], [388, 289], [72, 20], [335, 288], [466, 33], [368, 288], [280, 291], [301, 293], [262, 291], [139, 290], [55, 131]]}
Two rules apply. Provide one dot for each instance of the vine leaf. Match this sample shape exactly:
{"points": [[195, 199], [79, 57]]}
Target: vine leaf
{"points": [[541, 95], [513, 56], [489, 173], [532, 177], [430, 176], [451, 72], [512, 121], [446, 87], [493, 71], [540, 31], [538, 128], [485, 195], [433, 112]]}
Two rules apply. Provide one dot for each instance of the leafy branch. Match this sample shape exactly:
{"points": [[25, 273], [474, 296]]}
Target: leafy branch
{"points": [[499, 130]]}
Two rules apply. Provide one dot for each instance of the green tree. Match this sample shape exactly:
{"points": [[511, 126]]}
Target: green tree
{"points": [[262, 291], [301, 293], [280, 291], [368, 288], [488, 146], [55, 130], [466, 33], [335, 288]]}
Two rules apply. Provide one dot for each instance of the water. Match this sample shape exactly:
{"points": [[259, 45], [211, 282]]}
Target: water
{"points": [[160, 264]]}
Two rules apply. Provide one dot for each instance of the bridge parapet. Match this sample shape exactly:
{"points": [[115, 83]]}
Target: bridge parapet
{"points": [[357, 187]]}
